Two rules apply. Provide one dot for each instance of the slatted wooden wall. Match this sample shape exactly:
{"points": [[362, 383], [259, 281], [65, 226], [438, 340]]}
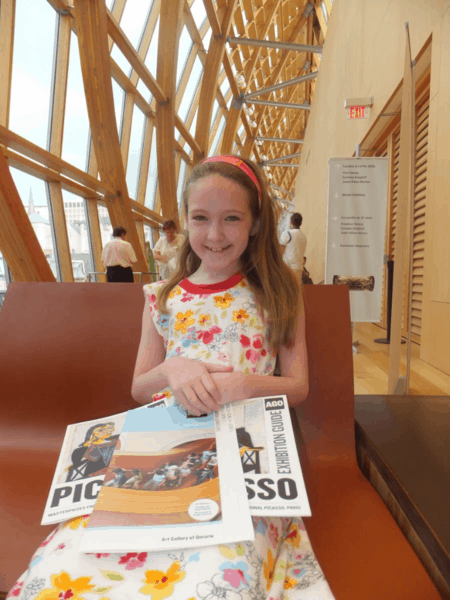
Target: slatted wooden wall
{"points": [[420, 191]]}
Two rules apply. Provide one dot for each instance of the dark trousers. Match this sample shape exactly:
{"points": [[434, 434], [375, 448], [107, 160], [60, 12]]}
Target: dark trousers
{"points": [[118, 274]]}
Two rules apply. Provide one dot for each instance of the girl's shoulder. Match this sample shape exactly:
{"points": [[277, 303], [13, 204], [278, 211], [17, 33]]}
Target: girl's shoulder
{"points": [[152, 288]]}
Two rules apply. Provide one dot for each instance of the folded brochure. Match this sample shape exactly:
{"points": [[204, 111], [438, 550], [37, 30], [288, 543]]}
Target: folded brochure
{"points": [[186, 487]]}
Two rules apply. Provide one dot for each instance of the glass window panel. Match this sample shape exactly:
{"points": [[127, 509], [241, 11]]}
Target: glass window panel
{"points": [[78, 234], [324, 11], [4, 278], [33, 194], [207, 39], [225, 86], [152, 175], [34, 37], [120, 59], [194, 123], [183, 53], [198, 12], [119, 97], [151, 59], [134, 19], [76, 121], [180, 187], [214, 114], [109, 4], [106, 228], [191, 88], [135, 151], [217, 137]]}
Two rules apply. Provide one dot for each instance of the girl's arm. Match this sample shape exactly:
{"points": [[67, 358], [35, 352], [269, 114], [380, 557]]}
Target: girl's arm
{"points": [[190, 380], [294, 380]]}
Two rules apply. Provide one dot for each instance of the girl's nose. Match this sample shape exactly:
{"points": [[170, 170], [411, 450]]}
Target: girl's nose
{"points": [[215, 231]]}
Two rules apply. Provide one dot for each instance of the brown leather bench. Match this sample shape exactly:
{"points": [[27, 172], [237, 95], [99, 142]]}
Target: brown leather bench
{"points": [[67, 354]]}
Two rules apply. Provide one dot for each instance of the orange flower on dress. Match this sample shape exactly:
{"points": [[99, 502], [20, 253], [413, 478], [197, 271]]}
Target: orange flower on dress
{"points": [[76, 522], [289, 583], [175, 292], [160, 585], [184, 320], [293, 536], [269, 568], [223, 301], [66, 588], [240, 315], [203, 319]]}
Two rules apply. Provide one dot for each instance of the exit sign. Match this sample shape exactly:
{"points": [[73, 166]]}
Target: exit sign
{"points": [[358, 112]]}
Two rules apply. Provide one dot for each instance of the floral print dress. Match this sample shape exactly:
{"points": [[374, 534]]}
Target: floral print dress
{"points": [[216, 323]]}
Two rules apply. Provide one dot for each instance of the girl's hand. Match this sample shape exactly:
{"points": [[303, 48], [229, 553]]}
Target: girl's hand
{"points": [[193, 386], [232, 386]]}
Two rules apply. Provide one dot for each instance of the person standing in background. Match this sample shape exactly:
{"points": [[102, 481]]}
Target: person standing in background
{"points": [[118, 257], [294, 242], [167, 249]]}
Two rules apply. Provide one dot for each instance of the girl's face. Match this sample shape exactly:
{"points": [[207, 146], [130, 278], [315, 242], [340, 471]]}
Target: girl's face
{"points": [[219, 224]]}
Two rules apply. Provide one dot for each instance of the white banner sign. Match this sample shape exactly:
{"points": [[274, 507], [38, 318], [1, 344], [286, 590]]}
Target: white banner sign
{"points": [[356, 223]]}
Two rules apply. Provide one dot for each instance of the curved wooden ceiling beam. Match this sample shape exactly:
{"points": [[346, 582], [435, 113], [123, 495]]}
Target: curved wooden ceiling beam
{"points": [[18, 241], [168, 43], [211, 74], [277, 72], [235, 112], [92, 30]]}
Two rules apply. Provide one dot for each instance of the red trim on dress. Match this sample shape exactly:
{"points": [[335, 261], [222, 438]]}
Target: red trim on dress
{"points": [[222, 286]]}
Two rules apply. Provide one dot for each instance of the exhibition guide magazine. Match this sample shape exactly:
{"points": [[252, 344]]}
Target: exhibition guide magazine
{"points": [[161, 479]]}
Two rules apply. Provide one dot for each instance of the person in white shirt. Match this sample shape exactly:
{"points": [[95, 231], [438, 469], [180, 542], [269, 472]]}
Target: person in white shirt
{"points": [[294, 242], [167, 248], [118, 257]]}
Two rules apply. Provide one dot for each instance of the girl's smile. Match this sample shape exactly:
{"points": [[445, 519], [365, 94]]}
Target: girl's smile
{"points": [[219, 225]]}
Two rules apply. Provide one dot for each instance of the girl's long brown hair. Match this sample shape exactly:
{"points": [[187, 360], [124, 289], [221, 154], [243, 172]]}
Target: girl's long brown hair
{"points": [[275, 286]]}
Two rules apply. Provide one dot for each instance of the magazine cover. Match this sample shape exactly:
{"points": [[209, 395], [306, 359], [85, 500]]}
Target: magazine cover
{"points": [[85, 455], [173, 481], [269, 457]]}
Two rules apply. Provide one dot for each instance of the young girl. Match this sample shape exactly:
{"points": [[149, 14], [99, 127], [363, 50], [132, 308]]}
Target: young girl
{"points": [[210, 335]]}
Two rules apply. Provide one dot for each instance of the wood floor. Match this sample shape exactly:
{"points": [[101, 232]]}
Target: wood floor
{"points": [[371, 365]]}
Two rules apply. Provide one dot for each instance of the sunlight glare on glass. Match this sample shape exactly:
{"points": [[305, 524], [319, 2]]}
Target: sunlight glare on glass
{"points": [[76, 122], [198, 12], [134, 19], [34, 36], [183, 53]]}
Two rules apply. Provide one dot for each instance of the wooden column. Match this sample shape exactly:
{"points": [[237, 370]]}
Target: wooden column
{"points": [[55, 142], [92, 29], [168, 44], [213, 65], [7, 19], [401, 234], [18, 242]]}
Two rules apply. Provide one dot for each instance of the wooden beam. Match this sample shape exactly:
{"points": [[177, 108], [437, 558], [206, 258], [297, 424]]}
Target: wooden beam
{"points": [[210, 78], [235, 113], [18, 242], [7, 21], [92, 29], [55, 142], [213, 18], [192, 143], [168, 44], [124, 44], [11, 140]]}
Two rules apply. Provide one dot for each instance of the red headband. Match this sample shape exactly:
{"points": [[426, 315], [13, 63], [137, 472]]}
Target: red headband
{"points": [[240, 164]]}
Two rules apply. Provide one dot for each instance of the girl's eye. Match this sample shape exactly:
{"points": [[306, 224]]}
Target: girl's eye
{"points": [[233, 218], [199, 218]]}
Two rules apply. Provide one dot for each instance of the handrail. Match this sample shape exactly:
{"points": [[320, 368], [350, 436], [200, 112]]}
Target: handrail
{"points": [[140, 273]]}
